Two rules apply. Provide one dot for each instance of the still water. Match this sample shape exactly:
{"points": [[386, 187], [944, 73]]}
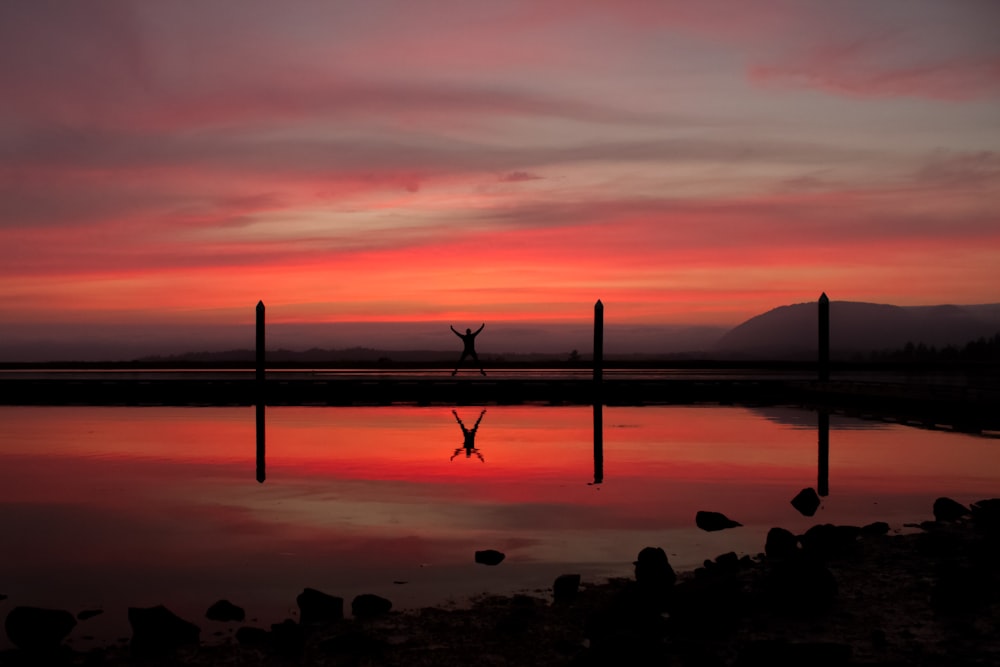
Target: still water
{"points": [[110, 507]]}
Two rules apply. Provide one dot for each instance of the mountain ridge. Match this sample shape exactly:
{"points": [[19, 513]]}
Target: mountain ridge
{"points": [[791, 331]]}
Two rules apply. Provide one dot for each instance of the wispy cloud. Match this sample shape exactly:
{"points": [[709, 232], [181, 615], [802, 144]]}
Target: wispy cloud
{"points": [[519, 177], [383, 161], [952, 80]]}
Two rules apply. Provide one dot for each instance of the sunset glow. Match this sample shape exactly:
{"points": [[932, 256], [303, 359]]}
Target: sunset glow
{"points": [[170, 164]]}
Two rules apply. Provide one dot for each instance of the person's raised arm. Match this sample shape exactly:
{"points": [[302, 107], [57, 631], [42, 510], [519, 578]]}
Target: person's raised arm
{"points": [[458, 419], [454, 331], [479, 329]]}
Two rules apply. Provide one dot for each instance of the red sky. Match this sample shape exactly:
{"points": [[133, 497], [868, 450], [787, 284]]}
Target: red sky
{"points": [[166, 165]]}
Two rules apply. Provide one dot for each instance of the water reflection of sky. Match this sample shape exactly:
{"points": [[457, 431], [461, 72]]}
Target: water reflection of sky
{"points": [[116, 506]]}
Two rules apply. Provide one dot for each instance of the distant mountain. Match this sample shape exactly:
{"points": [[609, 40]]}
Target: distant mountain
{"points": [[791, 332]]}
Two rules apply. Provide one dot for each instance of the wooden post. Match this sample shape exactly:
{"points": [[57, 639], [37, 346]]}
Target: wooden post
{"points": [[260, 350], [261, 452], [598, 342], [261, 472], [598, 398], [824, 338], [823, 469]]}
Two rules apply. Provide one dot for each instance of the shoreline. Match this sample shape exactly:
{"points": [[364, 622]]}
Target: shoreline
{"points": [[834, 595], [957, 408]]}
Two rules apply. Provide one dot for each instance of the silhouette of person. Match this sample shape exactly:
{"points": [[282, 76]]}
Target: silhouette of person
{"points": [[469, 339], [469, 445]]}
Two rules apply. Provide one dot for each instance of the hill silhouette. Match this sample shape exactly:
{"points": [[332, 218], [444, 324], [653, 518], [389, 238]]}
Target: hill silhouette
{"points": [[790, 332]]}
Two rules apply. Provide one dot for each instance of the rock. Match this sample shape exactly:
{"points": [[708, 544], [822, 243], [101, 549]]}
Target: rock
{"points": [[826, 540], [368, 605], [724, 565], [782, 652], [801, 587], [946, 509], [521, 615], [253, 637], [355, 643], [712, 521], [157, 630], [709, 605], [288, 639], [876, 529], [727, 563], [986, 514], [654, 580], [781, 544], [489, 557], [653, 570], [565, 588], [318, 607], [37, 629], [623, 631], [88, 613], [806, 502], [959, 590], [225, 611]]}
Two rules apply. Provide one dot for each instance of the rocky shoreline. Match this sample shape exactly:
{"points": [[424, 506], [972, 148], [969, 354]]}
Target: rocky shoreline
{"points": [[835, 595]]}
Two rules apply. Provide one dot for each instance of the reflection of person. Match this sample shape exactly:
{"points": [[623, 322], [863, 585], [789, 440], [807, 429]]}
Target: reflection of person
{"points": [[469, 339], [469, 445]]}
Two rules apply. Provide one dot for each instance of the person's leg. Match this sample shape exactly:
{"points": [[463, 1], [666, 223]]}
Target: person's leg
{"points": [[460, 360], [479, 363]]}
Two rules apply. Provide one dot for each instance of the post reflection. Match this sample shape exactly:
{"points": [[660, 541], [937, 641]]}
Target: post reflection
{"points": [[598, 443], [823, 468], [469, 438], [261, 473]]}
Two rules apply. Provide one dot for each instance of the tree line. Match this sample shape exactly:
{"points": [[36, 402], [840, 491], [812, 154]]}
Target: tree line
{"points": [[981, 349]]}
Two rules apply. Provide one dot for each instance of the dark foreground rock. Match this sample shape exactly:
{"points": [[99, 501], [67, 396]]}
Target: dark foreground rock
{"points": [[158, 631], [653, 569], [253, 637], [712, 521], [288, 639], [781, 544], [946, 509], [368, 605], [490, 557], [800, 588], [38, 629], [806, 502], [783, 652], [825, 541], [565, 588], [225, 611], [318, 607], [986, 515], [874, 529]]}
